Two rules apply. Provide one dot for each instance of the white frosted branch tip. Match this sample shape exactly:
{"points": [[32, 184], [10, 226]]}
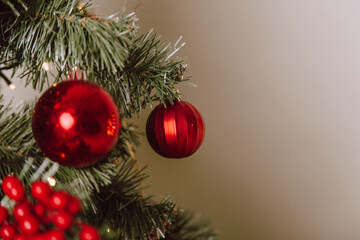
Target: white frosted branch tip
{"points": [[148, 34], [40, 170], [130, 15], [178, 41]]}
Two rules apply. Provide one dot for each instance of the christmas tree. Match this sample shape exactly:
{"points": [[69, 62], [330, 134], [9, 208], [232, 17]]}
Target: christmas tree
{"points": [[49, 41]]}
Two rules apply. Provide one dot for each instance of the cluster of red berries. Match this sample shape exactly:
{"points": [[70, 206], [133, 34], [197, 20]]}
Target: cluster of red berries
{"points": [[45, 217]]}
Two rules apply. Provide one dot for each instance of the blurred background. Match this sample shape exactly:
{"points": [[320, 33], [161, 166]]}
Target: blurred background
{"points": [[279, 89]]}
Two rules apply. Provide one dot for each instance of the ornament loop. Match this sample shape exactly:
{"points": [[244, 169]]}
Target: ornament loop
{"points": [[76, 74]]}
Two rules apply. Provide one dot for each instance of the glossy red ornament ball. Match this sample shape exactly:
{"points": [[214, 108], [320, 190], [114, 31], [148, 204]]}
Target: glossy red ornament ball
{"points": [[40, 190], [62, 220], [175, 131], [13, 188], [88, 233], [59, 200], [3, 214], [7, 232], [76, 123]]}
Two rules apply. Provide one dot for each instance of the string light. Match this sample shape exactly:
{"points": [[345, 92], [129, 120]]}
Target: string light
{"points": [[46, 66], [12, 86], [51, 181], [108, 229]]}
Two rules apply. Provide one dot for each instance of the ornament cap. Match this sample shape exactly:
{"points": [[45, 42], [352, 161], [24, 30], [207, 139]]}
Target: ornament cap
{"points": [[76, 74]]}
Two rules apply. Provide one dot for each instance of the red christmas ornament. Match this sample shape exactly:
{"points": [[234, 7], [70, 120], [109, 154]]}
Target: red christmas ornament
{"points": [[176, 131], [88, 233], [76, 123], [13, 188]]}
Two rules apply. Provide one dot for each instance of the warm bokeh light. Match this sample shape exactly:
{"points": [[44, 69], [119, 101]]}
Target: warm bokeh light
{"points": [[51, 181], [67, 121], [46, 66], [12, 86]]}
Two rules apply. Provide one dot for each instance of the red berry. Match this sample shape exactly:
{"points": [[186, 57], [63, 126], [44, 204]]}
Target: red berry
{"points": [[21, 210], [3, 214], [39, 237], [20, 236], [39, 209], [74, 205], [29, 225], [13, 188], [62, 220], [88, 232], [7, 232], [55, 235], [59, 200], [40, 190]]}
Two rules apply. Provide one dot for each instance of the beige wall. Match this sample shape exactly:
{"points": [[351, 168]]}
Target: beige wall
{"points": [[279, 88]]}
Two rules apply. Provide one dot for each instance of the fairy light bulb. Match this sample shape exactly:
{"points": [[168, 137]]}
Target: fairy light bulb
{"points": [[46, 66], [12, 86], [51, 181]]}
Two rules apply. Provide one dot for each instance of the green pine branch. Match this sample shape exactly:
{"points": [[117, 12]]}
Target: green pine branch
{"points": [[135, 70]]}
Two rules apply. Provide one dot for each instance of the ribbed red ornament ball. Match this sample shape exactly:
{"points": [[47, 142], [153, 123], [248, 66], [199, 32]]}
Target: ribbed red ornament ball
{"points": [[76, 123], [175, 131]]}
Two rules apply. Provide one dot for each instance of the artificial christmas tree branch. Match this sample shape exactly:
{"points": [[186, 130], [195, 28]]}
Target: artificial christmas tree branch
{"points": [[107, 48], [136, 71]]}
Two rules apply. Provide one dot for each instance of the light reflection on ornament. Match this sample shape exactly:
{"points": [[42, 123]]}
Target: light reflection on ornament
{"points": [[170, 127], [111, 125], [67, 121]]}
